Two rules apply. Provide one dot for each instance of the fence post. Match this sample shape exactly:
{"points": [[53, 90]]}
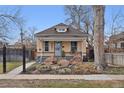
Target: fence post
{"points": [[112, 59], [4, 59], [24, 61]]}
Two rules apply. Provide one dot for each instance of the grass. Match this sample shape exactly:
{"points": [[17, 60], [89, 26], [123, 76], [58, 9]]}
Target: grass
{"points": [[10, 66], [61, 84], [114, 70]]}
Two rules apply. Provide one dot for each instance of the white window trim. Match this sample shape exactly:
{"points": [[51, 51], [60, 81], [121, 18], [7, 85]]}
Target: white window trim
{"points": [[48, 47]]}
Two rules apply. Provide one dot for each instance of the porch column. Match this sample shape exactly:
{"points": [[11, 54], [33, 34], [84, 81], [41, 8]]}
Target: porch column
{"points": [[39, 47], [83, 48]]}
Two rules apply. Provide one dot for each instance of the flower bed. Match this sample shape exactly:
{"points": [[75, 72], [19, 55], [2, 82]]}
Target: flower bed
{"points": [[62, 66]]}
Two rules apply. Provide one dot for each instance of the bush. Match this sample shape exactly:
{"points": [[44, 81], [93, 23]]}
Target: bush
{"points": [[32, 68], [84, 68], [63, 53], [77, 59], [43, 68]]}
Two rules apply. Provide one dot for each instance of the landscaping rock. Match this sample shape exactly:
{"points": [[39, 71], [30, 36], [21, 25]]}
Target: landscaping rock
{"points": [[64, 63], [77, 59], [54, 67], [50, 60]]}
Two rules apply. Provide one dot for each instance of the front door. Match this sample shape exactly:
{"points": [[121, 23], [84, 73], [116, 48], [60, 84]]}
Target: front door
{"points": [[58, 48]]}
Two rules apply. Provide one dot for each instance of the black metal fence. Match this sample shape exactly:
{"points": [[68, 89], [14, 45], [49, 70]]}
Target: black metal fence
{"points": [[14, 54], [8, 55]]}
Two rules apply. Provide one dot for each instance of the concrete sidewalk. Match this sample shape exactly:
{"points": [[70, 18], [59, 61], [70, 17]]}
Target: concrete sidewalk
{"points": [[18, 70], [83, 77], [15, 74]]}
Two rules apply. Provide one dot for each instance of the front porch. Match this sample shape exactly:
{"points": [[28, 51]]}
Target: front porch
{"points": [[68, 55], [56, 48]]}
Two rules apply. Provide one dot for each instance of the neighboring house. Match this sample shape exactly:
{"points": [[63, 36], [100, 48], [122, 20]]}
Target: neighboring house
{"points": [[116, 42], [58, 39]]}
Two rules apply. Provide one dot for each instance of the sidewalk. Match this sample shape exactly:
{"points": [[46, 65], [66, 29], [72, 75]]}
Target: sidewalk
{"points": [[18, 70], [69, 77], [15, 74]]}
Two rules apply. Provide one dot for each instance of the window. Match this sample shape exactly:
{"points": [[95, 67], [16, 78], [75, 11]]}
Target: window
{"points": [[46, 46], [122, 45], [73, 46], [61, 30]]}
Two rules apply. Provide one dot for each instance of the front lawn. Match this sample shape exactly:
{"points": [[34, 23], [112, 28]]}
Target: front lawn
{"points": [[61, 84], [10, 66], [114, 70]]}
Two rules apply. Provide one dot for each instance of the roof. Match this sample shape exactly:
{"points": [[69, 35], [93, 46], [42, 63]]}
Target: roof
{"points": [[118, 36], [52, 32]]}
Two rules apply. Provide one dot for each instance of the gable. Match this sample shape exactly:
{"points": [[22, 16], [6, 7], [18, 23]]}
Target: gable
{"points": [[67, 31]]}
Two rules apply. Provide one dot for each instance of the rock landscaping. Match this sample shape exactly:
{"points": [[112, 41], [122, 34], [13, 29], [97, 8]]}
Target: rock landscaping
{"points": [[62, 66], [50, 60]]}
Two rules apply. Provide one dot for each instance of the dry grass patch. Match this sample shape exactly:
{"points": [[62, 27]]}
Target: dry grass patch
{"points": [[61, 84], [10, 66]]}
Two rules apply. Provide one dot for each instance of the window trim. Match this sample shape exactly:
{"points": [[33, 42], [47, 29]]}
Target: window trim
{"points": [[122, 45], [61, 30], [73, 47], [46, 42]]}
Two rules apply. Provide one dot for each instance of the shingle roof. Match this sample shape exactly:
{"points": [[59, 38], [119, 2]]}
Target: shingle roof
{"points": [[118, 36], [52, 32]]}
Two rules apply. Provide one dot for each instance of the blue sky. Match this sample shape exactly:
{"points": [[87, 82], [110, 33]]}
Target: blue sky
{"points": [[45, 16]]}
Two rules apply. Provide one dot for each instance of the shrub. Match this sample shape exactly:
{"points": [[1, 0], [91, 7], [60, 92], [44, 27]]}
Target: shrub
{"points": [[77, 59], [44, 68], [63, 53], [31, 69], [84, 68]]}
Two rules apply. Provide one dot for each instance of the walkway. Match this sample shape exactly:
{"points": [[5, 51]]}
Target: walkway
{"points": [[18, 70], [83, 77]]}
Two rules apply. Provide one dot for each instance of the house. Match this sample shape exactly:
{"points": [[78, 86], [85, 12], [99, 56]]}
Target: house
{"points": [[60, 39], [116, 42]]}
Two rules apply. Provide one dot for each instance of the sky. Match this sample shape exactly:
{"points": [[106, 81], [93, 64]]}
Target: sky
{"points": [[45, 16]]}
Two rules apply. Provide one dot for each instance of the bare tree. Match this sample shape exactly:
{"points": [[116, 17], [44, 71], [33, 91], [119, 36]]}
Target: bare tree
{"points": [[81, 17], [9, 21], [76, 15], [32, 31], [116, 26], [117, 22], [99, 36]]}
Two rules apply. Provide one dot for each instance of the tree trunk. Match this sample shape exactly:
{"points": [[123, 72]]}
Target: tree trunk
{"points": [[99, 37]]}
